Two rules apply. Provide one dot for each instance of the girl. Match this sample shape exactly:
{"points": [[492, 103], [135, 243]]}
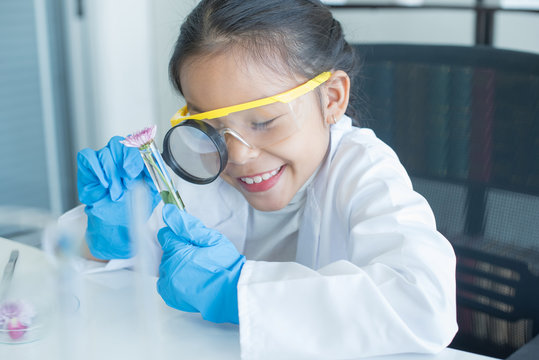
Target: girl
{"points": [[312, 238]]}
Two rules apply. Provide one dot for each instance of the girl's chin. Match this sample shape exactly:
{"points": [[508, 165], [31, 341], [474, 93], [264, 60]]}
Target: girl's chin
{"points": [[261, 205], [272, 200]]}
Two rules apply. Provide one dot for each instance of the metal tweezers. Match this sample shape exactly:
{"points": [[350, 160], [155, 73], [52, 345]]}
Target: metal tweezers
{"points": [[8, 273]]}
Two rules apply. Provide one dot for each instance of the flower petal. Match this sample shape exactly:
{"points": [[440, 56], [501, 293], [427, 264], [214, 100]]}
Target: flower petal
{"points": [[141, 138]]}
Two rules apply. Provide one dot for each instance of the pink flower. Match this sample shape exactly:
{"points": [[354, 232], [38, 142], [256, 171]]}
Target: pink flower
{"points": [[19, 309], [16, 328], [141, 138]]}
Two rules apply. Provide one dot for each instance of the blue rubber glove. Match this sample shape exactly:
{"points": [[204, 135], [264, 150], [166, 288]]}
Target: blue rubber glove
{"points": [[200, 268], [104, 180]]}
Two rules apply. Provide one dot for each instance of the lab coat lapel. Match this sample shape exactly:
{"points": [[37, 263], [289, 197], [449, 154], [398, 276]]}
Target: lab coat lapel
{"points": [[308, 250], [309, 231]]}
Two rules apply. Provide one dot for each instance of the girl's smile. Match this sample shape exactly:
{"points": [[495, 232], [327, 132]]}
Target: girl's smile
{"points": [[262, 181]]}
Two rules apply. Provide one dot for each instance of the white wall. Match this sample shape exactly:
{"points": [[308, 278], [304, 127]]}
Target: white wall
{"points": [[407, 25], [118, 66], [517, 31], [513, 29], [111, 70], [168, 15]]}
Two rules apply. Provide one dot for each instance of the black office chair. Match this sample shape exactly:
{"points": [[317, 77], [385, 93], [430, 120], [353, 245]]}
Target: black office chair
{"points": [[465, 124]]}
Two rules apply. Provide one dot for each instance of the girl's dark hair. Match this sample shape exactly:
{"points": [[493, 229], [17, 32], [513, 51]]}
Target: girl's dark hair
{"points": [[302, 35]]}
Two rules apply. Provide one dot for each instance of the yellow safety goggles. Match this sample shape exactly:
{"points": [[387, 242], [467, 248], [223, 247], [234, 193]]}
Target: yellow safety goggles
{"points": [[196, 149], [285, 97]]}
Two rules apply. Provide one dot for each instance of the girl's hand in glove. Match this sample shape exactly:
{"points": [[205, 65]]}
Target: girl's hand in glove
{"points": [[104, 181], [200, 268]]}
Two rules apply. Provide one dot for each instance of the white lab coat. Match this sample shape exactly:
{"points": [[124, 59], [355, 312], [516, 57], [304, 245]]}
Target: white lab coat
{"points": [[372, 275]]}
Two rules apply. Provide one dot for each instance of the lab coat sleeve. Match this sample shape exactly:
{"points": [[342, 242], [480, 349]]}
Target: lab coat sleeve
{"points": [[393, 293]]}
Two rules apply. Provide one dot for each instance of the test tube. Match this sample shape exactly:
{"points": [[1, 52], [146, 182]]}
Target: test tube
{"points": [[160, 176]]}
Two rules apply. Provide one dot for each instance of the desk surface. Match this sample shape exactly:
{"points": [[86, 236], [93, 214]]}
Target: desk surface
{"points": [[109, 323]]}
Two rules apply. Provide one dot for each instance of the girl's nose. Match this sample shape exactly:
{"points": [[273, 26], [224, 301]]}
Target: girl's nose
{"points": [[238, 152]]}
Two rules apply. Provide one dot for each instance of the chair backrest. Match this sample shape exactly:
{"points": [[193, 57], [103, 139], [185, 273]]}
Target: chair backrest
{"points": [[498, 310], [465, 124]]}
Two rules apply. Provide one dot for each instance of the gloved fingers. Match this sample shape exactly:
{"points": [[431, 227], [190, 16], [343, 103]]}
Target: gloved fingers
{"points": [[107, 241], [116, 187], [170, 296], [91, 180], [172, 216], [111, 212], [165, 237], [173, 245], [127, 159], [90, 166], [144, 179], [179, 304], [217, 259], [151, 196], [186, 225]]}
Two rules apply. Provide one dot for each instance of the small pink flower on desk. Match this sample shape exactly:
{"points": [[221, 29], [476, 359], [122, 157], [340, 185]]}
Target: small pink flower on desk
{"points": [[141, 138], [16, 317]]}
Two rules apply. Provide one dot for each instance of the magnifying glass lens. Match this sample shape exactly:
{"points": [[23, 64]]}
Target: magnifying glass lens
{"points": [[194, 152]]}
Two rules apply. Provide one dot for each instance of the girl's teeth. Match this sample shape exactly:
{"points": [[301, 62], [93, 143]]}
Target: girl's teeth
{"points": [[259, 178]]}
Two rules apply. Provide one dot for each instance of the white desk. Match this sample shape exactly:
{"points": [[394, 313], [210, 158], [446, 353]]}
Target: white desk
{"points": [[111, 324]]}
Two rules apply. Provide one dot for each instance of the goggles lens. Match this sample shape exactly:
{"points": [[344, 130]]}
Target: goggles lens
{"points": [[259, 127]]}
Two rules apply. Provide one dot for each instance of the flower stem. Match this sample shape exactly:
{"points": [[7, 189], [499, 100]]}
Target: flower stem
{"points": [[159, 174]]}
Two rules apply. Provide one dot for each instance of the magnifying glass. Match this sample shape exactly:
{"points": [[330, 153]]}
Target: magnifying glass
{"points": [[195, 151]]}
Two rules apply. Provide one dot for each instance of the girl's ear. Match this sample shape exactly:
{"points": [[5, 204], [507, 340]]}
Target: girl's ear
{"points": [[337, 96]]}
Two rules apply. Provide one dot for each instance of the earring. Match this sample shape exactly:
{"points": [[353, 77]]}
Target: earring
{"points": [[333, 118]]}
